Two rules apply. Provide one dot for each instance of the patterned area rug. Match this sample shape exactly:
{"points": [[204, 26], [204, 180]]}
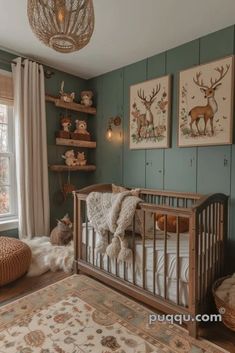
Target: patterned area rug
{"points": [[80, 315]]}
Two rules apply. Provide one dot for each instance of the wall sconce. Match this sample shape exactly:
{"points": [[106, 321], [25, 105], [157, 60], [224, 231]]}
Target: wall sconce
{"points": [[116, 121]]}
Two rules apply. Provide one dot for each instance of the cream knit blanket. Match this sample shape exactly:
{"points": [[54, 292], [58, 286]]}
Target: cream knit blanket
{"points": [[114, 213]]}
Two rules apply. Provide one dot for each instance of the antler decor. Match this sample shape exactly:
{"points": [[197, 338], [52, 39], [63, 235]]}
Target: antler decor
{"points": [[220, 70], [222, 73], [142, 96], [197, 82]]}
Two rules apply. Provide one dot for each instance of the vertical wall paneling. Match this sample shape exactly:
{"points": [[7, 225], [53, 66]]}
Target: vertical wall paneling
{"points": [[108, 91], [133, 160], [180, 163], [156, 67], [96, 127], [112, 150], [214, 163]]}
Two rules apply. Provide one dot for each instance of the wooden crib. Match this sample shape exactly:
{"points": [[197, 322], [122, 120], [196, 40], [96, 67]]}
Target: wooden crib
{"points": [[203, 260]]}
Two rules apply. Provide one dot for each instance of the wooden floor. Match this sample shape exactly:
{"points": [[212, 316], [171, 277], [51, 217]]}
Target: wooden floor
{"points": [[26, 285], [216, 333]]}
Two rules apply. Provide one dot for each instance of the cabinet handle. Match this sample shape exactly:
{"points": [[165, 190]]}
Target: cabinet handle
{"points": [[225, 162]]}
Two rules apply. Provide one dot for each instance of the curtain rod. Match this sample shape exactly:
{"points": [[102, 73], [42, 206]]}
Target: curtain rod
{"points": [[47, 72]]}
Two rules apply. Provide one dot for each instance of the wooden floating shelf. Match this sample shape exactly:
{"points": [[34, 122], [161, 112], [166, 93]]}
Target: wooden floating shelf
{"points": [[71, 106], [65, 168], [75, 143]]}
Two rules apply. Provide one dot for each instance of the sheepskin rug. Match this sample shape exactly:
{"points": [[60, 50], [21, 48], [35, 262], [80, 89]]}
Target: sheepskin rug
{"points": [[46, 256]]}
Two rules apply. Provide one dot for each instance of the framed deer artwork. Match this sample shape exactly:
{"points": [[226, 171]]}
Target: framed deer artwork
{"points": [[206, 104], [150, 114]]}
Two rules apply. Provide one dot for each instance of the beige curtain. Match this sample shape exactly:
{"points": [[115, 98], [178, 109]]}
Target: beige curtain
{"points": [[31, 148]]}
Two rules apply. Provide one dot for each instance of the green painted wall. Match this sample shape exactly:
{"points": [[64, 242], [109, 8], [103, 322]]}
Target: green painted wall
{"points": [[52, 86], [202, 169]]}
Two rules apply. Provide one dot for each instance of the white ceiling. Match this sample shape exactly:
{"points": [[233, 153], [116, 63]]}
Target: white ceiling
{"points": [[125, 31]]}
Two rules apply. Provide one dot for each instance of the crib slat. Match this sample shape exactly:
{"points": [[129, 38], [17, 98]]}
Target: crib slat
{"points": [[209, 246], [200, 262], [78, 229], [213, 242], [205, 282], [108, 259], [223, 236], [101, 262], [154, 253], [87, 240], [204, 255], [219, 240], [143, 252], [116, 268], [133, 250], [165, 256], [93, 246], [177, 260]]}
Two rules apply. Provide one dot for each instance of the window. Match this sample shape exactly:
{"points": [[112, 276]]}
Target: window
{"points": [[8, 197]]}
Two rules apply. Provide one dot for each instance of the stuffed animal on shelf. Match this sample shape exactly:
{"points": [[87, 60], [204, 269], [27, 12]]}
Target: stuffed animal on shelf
{"points": [[62, 234], [81, 159], [66, 97], [81, 127], [66, 123], [81, 133], [86, 98], [70, 159]]}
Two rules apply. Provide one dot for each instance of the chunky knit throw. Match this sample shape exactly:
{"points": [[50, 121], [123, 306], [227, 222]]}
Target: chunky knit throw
{"points": [[113, 213]]}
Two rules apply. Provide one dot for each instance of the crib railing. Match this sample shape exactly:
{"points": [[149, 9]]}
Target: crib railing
{"points": [[207, 218]]}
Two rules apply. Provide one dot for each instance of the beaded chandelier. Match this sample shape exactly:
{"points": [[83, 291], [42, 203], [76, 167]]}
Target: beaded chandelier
{"points": [[64, 25]]}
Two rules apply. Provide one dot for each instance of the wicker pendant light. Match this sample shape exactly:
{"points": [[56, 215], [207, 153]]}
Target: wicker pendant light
{"points": [[64, 25]]}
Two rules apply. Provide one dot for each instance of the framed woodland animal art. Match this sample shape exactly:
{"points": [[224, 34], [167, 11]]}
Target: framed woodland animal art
{"points": [[150, 114], [206, 104]]}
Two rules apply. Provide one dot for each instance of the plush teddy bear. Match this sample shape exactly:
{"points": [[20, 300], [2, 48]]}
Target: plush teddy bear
{"points": [[86, 98], [81, 159], [70, 159], [171, 223], [81, 127]]}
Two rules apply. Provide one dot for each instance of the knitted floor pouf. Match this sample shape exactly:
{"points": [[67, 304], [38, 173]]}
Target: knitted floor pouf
{"points": [[15, 258]]}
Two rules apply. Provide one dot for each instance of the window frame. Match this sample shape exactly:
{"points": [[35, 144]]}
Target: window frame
{"points": [[9, 220]]}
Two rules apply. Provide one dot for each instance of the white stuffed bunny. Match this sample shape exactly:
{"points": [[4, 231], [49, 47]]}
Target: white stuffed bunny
{"points": [[70, 159]]}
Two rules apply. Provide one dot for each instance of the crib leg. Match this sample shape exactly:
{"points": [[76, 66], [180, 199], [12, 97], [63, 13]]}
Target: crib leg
{"points": [[193, 329], [75, 268]]}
